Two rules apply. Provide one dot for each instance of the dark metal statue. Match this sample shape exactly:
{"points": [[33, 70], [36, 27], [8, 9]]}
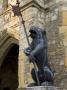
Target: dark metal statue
{"points": [[37, 52]]}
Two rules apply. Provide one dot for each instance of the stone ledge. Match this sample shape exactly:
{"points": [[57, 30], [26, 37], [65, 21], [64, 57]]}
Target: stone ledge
{"points": [[42, 88]]}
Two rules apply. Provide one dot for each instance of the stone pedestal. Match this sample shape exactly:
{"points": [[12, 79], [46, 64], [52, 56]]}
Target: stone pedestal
{"points": [[42, 88]]}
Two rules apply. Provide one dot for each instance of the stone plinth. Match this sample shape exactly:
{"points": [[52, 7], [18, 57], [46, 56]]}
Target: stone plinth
{"points": [[42, 88]]}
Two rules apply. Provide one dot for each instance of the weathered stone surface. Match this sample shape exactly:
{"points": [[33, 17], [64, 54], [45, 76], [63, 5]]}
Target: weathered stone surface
{"points": [[56, 25], [42, 88]]}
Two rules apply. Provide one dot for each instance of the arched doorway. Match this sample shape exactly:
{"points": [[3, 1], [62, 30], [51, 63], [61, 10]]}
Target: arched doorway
{"points": [[9, 70]]}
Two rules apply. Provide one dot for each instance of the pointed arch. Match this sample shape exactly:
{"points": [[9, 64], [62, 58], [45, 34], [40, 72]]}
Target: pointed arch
{"points": [[9, 69], [6, 44]]}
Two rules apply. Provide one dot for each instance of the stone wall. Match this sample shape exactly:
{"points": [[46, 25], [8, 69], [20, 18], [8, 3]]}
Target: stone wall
{"points": [[43, 88], [54, 19], [31, 17]]}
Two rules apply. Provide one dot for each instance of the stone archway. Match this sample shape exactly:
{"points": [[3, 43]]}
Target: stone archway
{"points": [[9, 69]]}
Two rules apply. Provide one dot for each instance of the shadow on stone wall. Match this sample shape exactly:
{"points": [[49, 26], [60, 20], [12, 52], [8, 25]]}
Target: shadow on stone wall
{"points": [[9, 70], [56, 51]]}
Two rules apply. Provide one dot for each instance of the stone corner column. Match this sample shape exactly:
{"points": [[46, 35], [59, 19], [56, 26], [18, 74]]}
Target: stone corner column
{"points": [[32, 16]]}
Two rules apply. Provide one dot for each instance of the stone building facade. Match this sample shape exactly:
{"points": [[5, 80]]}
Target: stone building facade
{"points": [[14, 65]]}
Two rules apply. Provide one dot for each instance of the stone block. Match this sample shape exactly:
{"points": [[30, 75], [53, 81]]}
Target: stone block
{"points": [[42, 88]]}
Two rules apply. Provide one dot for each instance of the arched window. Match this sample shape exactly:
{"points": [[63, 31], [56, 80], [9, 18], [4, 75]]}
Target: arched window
{"points": [[5, 4]]}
